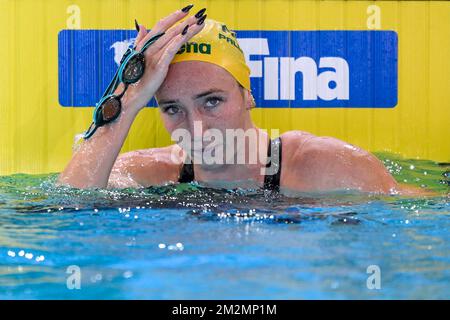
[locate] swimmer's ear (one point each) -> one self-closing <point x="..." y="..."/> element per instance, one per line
<point x="249" y="100"/>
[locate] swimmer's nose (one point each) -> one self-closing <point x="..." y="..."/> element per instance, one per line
<point x="197" y="129"/>
<point x="197" y="126"/>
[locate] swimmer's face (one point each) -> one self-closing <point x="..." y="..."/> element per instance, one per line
<point x="200" y="91"/>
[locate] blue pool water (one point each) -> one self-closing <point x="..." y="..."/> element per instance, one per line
<point x="189" y="242"/>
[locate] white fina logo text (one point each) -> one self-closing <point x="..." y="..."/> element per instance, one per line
<point x="326" y="85"/>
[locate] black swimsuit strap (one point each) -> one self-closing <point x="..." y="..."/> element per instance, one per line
<point x="187" y="173"/>
<point x="271" y="181"/>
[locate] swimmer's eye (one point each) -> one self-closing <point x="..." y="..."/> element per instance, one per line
<point x="212" y="102"/>
<point x="171" y="110"/>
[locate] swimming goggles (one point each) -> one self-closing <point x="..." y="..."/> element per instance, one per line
<point x="131" y="69"/>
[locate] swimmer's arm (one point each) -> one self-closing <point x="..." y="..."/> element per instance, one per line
<point x="121" y="176"/>
<point x="91" y="164"/>
<point x="325" y="164"/>
<point x="145" y="168"/>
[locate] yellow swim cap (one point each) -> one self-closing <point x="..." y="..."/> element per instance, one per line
<point x="218" y="45"/>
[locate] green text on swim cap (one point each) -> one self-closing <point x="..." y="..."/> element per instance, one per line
<point x="230" y="40"/>
<point x="194" y="47"/>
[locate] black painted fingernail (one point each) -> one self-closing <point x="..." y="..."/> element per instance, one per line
<point x="200" y="13"/>
<point x="136" y="25"/>
<point x="185" y="30"/>
<point x="187" y="8"/>
<point x="201" y="20"/>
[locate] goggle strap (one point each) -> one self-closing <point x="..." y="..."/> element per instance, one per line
<point x="113" y="84"/>
<point x="90" y="131"/>
<point x="151" y="41"/>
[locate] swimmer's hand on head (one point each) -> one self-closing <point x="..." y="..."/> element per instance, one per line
<point x="92" y="163"/>
<point x="159" y="55"/>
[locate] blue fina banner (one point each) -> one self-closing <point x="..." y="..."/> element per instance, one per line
<point x="296" y="69"/>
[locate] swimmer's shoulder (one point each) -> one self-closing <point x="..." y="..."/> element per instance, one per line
<point x="293" y="143"/>
<point x="147" y="167"/>
<point x="293" y="140"/>
<point x="305" y="150"/>
<point x="316" y="163"/>
<point x="301" y="144"/>
<point x="293" y="160"/>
